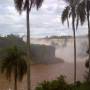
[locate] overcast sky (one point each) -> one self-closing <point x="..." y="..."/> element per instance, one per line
<point x="45" y="22"/>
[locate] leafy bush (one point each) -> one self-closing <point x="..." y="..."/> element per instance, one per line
<point x="86" y="76"/>
<point x="45" y="85"/>
<point x="87" y="64"/>
<point x="58" y="84"/>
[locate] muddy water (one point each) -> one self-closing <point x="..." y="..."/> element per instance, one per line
<point x="42" y="72"/>
<point x="46" y="72"/>
<point x="49" y="72"/>
<point x="64" y="51"/>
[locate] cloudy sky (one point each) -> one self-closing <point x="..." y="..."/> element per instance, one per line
<point x="45" y="22"/>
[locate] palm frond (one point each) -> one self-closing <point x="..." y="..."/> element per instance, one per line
<point x="73" y="2"/>
<point x="14" y="60"/>
<point x="67" y="22"/>
<point x="88" y="5"/>
<point x="65" y="14"/>
<point x="26" y="3"/>
<point x="6" y="68"/>
<point x="38" y="3"/>
<point x="77" y="22"/>
<point x="18" y="5"/>
<point x="81" y="13"/>
<point x="87" y="64"/>
<point x="21" y="69"/>
<point x="23" y="4"/>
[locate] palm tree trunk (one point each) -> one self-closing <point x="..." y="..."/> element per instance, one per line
<point x="88" y="41"/>
<point x="15" y="80"/>
<point x="74" y="55"/>
<point x="28" y="49"/>
<point x="74" y="34"/>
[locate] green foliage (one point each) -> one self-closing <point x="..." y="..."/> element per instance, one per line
<point x="23" y="4"/>
<point x="86" y="76"/>
<point x="83" y="86"/>
<point x="65" y="14"/>
<point x="78" y="13"/>
<point x="87" y="64"/>
<point x="58" y="84"/>
<point x="10" y="41"/>
<point x="45" y="85"/>
<point x="13" y="63"/>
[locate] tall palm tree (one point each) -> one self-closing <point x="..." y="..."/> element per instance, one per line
<point x="83" y="10"/>
<point x="14" y="63"/>
<point x="87" y="7"/>
<point x="27" y="5"/>
<point x="71" y="10"/>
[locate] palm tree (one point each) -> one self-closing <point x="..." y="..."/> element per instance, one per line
<point x="71" y="10"/>
<point x="14" y="63"/>
<point x="88" y="13"/>
<point x="27" y="5"/>
<point x="87" y="8"/>
<point x="84" y="11"/>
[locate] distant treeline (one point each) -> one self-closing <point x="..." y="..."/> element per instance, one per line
<point x="11" y="40"/>
<point x="40" y="53"/>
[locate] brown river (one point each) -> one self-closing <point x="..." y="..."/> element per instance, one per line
<point x="40" y="72"/>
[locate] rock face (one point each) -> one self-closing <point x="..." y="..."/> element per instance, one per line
<point x="42" y="54"/>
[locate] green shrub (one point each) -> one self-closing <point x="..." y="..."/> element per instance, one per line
<point x="45" y="85"/>
<point x="58" y="84"/>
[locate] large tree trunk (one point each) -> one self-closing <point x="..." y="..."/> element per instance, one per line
<point x="74" y="34"/>
<point x="88" y="41"/>
<point x="28" y="49"/>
